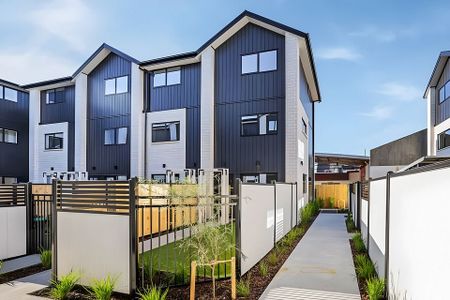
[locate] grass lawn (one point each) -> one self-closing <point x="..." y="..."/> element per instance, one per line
<point x="171" y="258"/>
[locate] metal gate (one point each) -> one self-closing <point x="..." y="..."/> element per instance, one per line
<point x="40" y="217"/>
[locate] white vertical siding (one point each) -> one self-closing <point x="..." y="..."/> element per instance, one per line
<point x="207" y="109"/>
<point x="80" y="122"/>
<point x="35" y="116"/>
<point x="137" y="122"/>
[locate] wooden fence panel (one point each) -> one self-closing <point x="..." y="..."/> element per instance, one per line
<point x="338" y="192"/>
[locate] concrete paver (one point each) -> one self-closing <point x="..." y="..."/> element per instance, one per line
<point x="19" y="263"/>
<point x="20" y="288"/>
<point x="320" y="267"/>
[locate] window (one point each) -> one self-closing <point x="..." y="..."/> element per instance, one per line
<point x="116" y="136"/>
<point x="117" y="85"/>
<point x="54" y="141"/>
<point x="173" y="76"/>
<point x="161" y="178"/>
<point x="167" y="77"/>
<point x="444" y="139"/>
<point x="444" y="92"/>
<point x="8" y="94"/>
<point x="259" y="62"/>
<point x="260" y="124"/>
<point x="260" y="178"/>
<point x="166" y="132"/>
<point x="8" y="136"/>
<point x="249" y="63"/>
<point x="268" y="61"/>
<point x="250" y="179"/>
<point x="55" y="96"/>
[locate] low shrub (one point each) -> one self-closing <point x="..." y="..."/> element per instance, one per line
<point x="358" y="243"/>
<point x="272" y="258"/>
<point x="364" y="268"/>
<point x="331" y="202"/>
<point x="321" y="203"/>
<point x="1" y="265"/>
<point x="263" y="268"/>
<point x="349" y="222"/>
<point x="46" y="258"/>
<point x="243" y="287"/>
<point x="308" y="212"/>
<point x="375" y="288"/>
<point x="60" y="289"/>
<point x="153" y="293"/>
<point x="103" y="289"/>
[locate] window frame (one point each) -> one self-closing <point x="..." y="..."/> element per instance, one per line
<point x="165" y="71"/>
<point x="114" y="79"/>
<point x="446" y="97"/>
<point x="3" y="134"/>
<point x="53" y="134"/>
<point x="439" y="140"/>
<point x="258" y="118"/>
<point x="167" y="123"/>
<point x="258" y="67"/>
<point x="54" y="93"/>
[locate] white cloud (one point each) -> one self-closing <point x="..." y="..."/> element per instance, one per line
<point x="67" y="20"/>
<point x="339" y="53"/>
<point x="399" y="91"/>
<point x="376" y="34"/>
<point x="379" y="112"/>
<point x="32" y="66"/>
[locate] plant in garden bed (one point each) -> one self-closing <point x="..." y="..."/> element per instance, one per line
<point x="331" y="202"/>
<point x="153" y="293"/>
<point x="272" y="258"/>
<point x="358" y="243"/>
<point x="243" y="287"/>
<point x="46" y="258"/>
<point x="103" y="289"/>
<point x="60" y="289"/>
<point x="375" y="288"/>
<point x="349" y="222"/>
<point x="364" y="268"/>
<point x="263" y="268"/>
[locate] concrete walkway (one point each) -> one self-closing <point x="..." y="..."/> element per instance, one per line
<point x="320" y="267"/>
<point x="19" y="289"/>
<point x="20" y="263"/>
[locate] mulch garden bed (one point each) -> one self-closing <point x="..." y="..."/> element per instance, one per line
<point x="258" y="283"/>
<point x="78" y="293"/>
<point x="361" y="284"/>
<point x="10" y="276"/>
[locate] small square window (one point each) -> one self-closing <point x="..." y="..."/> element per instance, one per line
<point x="54" y="141"/>
<point x="122" y="84"/>
<point x="110" y="136"/>
<point x="249" y="63"/>
<point x="10" y="136"/>
<point x="444" y="140"/>
<point x="173" y="76"/>
<point x="272" y="123"/>
<point x="122" y="135"/>
<point x="159" y="78"/>
<point x="10" y="94"/>
<point x="268" y="61"/>
<point x="166" y="132"/>
<point x="441" y="94"/>
<point x="249" y="125"/>
<point x="50" y="97"/>
<point x="110" y="86"/>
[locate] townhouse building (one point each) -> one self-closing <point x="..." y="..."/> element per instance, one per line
<point x="244" y="100"/>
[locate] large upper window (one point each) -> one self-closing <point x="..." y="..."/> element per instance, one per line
<point x="259" y="62"/>
<point x="166" y="132"/>
<point x="444" y="92"/>
<point x="7" y="93"/>
<point x="55" y="96"/>
<point x="259" y="124"/>
<point x="444" y="139"/>
<point x="165" y="77"/>
<point x="54" y="141"/>
<point x="116" y="85"/>
<point x="8" y="136"/>
<point x="116" y="136"/>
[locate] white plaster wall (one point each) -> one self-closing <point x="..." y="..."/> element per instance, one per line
<point x="96" y="245"/>
<point x="378" y="212"/>
<point x="173" y="154"/>
<point x="419" y="240"/>
<point x="47" y="159"/>
<point x="284" y="213"/>
<point x="34" y="120"/>
<point x="137" y="122"/>
<point x="80" y="122"/>
<point x="257" y="223"/>
<point x="207" y="109"/>
<point x="364" y="222"/>
<point x="13" y="234"/>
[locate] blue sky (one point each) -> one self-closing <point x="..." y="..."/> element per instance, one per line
<point x="373" y="58"/>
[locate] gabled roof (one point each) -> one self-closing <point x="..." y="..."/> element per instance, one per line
<point x="243" y="19"/>
<point x="98" y="56"/>
<point x="47" y="82"/>
<point x="437" y="71"/>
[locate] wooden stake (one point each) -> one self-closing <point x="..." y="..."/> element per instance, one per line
<point x="193" y="275"/>
<point x="233" y="278"/>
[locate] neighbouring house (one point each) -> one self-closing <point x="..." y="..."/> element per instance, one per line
<point x="13" y="133"/>
<point x="396" y="155"/>
<point x="243" y="101"/>
<point x="340" y="168"/>
<point x="437" y="94"/>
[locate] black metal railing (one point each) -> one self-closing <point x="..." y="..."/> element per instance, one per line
<point x="41" y="222"/>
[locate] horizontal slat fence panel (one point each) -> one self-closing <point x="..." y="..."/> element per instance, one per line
<point x="13" y="194"/>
